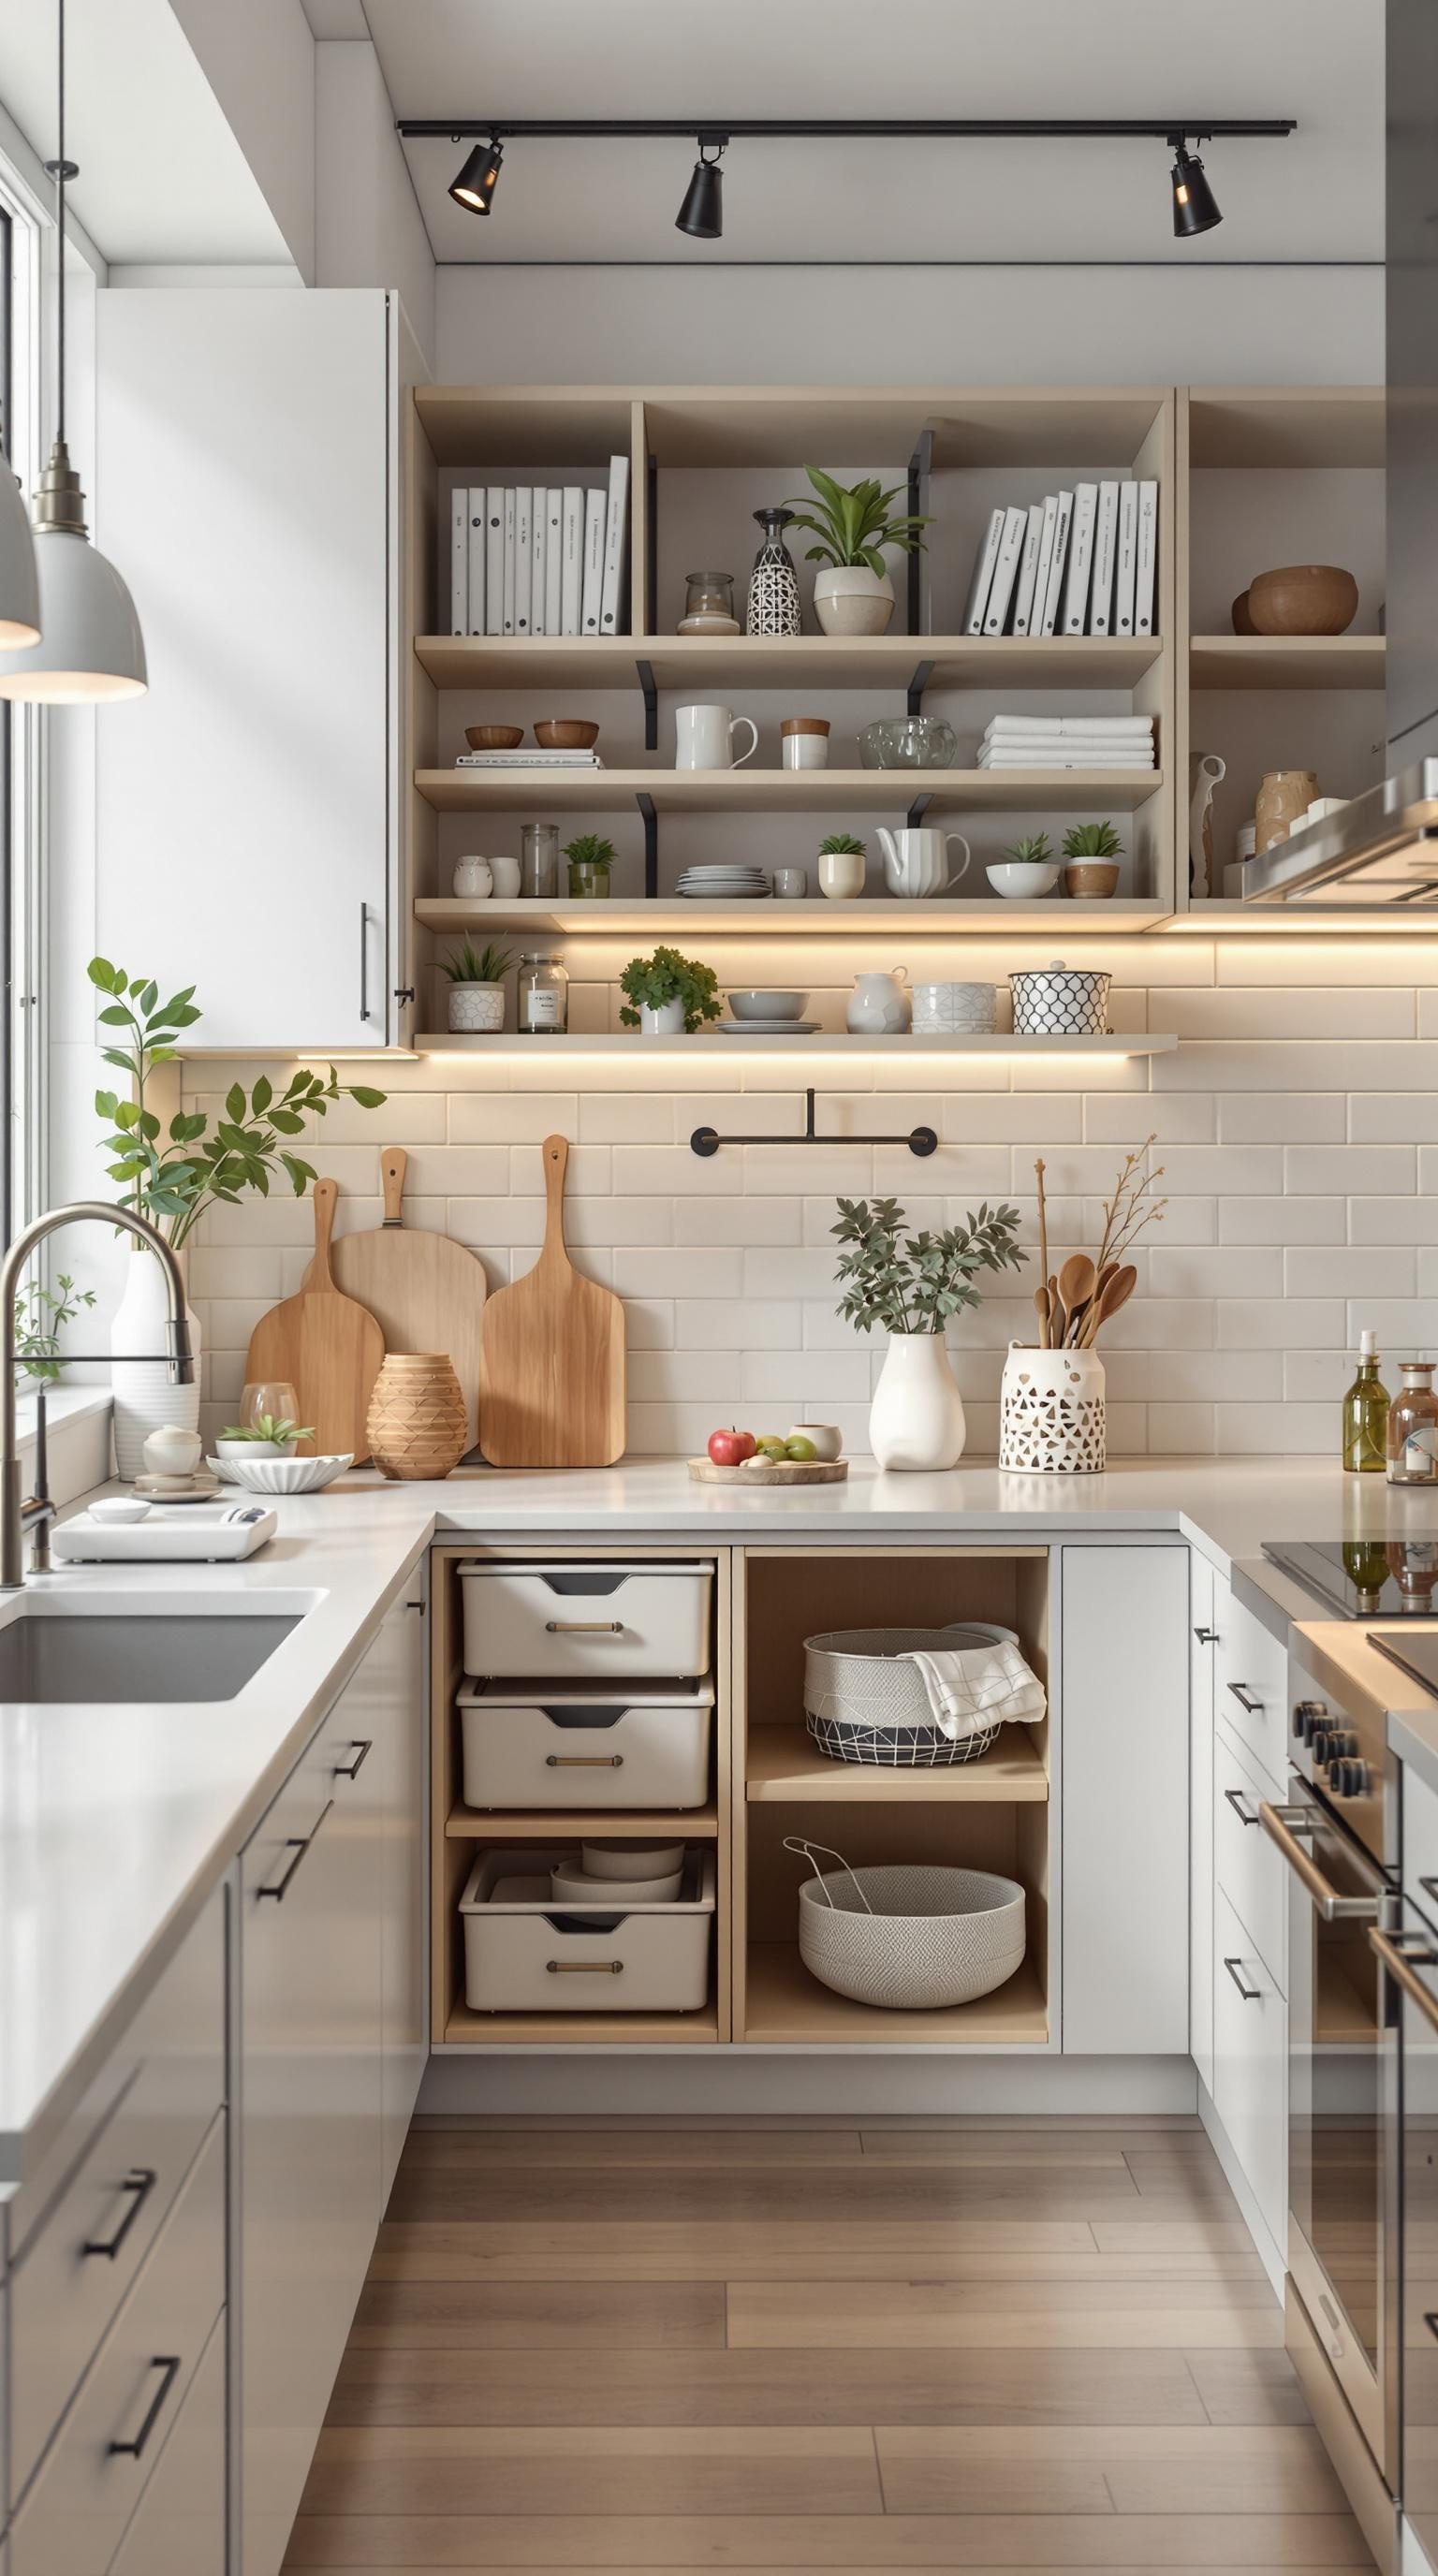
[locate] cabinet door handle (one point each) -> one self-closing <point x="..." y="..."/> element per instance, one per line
<point x="1234" y="1799"/>
<point x="139" y="2184"/>
<point x="169" y="2365"/>
<point x="297" y="1845"/>
<point x="351" y="1770"/>
<point x="1206" y="1636"/>
<point x="584" y="1627"/>
<point x="585" y="1967"/>
<point x="584" y="1761"/>
<point x="1250" y="1706"/>
<point x="364" y="962"/>
<point x="1250" y="1994"/>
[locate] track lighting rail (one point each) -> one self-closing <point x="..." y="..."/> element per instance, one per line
<point x="728" y="129"/>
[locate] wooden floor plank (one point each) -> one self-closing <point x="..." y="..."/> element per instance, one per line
<point x="694" y="2250"/>
<point x="432" y="2191"/>
<point x="1041" y="2315"/>
<point x="600" y="2150"/>
<point x="1248" y="2388"/>
<point x="596" y="2471"/>
<point x="565" y="2316"/>
<point x="1140" y="2469"/>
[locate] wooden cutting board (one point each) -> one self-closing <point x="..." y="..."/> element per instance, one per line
<point x="425" y="1292"/>
<point x="551" y="1374"/>
<point x="328" y="1348"/>
<point x="777" y="1471"/>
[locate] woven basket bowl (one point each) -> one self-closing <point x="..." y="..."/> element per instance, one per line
<point x="935" y="1936"/>
<point x="417" y="1425"/>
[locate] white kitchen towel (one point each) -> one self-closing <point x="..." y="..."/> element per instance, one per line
<point x="1136" y="745"/>
<point x="1076" y="726"/>
<point x="1036" y="757"/>
<point x="973" y="1687"/>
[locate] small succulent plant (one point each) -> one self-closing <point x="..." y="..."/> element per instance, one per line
<point x="275" y="1429"/>
<point x="840" y="843"/>
<point x="1033" y="851"/>
<point x="471" y="965"/>
<point x="1092" y="841"/>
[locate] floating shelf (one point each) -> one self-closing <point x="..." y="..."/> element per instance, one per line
<point x="779" y="791"/>
<point x="673" y="917"/>
<point x="515" y="1047"/>
<point x="579" y="1824"/>
<point x="784" y="1764"/>
<point x="798" y="661"/>
<point x="1287" y="661"/>
<point x="785" y="2004"/>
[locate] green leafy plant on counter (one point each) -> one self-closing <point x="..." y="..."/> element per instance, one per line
<point x="173" y="1174"/>
<point x="842" y="844"/>
<point x="276" y="1428"/>
<point x="852" y="522"/>
<point x="471" y="965"/>
<point x="913" y="1283"/>
<point x="668" y="977"/>
<point x="1032" y="851"/>
<point x="1092" y="841"/>
<point x="41" y="1315"/>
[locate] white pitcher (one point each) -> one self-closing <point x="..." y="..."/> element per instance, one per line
<point x="916" y="860"/>
<point x="878" y="1006"/>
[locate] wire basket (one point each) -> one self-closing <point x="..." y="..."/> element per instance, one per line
<point x="909" y="1937"/>
<point x="862" y="1703"/>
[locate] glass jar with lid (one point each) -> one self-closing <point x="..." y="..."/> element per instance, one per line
<point x="709" y="604"/>
<point x="542" y="994"/>
<point x="1413" y="1427"/>
<point x="539" y="861"/>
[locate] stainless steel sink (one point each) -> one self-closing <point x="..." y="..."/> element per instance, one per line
<point x="106" y="1651"/>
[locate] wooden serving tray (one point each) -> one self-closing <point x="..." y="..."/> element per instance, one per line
<point x="794" y="1471"/>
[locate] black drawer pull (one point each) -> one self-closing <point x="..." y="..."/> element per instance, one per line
<point x="1234" y="1799"/>
<point x="1250" y="1706"/>
<point x="351" y="1770"/>
<point x="584" y="1761"/>
<point x="298" y="1845"/>
<point x="169" y="2365"/>
<point x="584" y="1627"/>
<point x="1250" y="1994"/>
<point x="585" y="1967"/>
<point x="1206" y="1636"/>
<point x="139" y="2184"/>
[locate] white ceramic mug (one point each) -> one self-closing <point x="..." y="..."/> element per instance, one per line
<point x="704" y="738"/>
<point x="790" y="884"/>
<point x="916" y="861"/>
<point x="505" y="873"/>
<point x="473" y="879"/>
<point x="804" y="742"/>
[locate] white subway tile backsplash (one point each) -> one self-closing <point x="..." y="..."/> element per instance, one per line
<point x="738" y="1220"/>
<point x="1279" y="1323"/>
<point x="1226" y="1271"/>
<point x="1312" y="1271"/>
<point x="1262" y="1012"/>
<point x="510" y="1117"/>
<point x="740" y="1323"/>
<point x="1350" y="1168"/>
<point x="1280" y="1220"/>
<point x="1381" y="1118"/>
<point x="1406" y="1220"/>
<point x="1282" y="1118"/>
<point x="1127" y="1120"/>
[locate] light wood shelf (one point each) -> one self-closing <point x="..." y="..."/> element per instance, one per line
<point x="785" y="2005"/>
<point x="785" y="1765"/>
<point x="787" y="661"/>
<point x="466" y="2029"/>
<point x="676" y="917"/>
<point x="514" y="1047"/>
<point x="580" y="1824"/>
<point x="1287" y="661"/>
<point x="1296" y="426"/>
<point x="787" y="791"/>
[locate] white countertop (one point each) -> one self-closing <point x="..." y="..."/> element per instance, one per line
<point x="116" y="1822"/>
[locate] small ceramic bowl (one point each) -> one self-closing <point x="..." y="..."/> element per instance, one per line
<point x="826" y="1438"/>
<point x="767" y="1006"/>
<point x="1022" y="878"/>
<point x="565" y="733"/>
<point x="1089" y="880"/>
<point x="494" y="737"/>
<point x="1239" y="613"/>
<point x="630" y="1860"/>
<point x="232" y="1450"/>
<point x="277" y="1475"/>
<point x="570" y="1885"/>
<point x="1303" y="599"/>
<point x="120" y="1508"/>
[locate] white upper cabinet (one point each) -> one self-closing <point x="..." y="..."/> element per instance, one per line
<point x="246" y="809"/>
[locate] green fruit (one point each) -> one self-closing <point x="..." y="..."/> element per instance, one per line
<point x="773" y="1448"/>
<point x="799" y="1449"/>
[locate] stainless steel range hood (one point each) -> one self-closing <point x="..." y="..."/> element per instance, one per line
<point x="1382" y="848"/>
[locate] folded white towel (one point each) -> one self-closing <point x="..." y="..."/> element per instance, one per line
<point x="974" y="1687"/>
<point x="1075" y="726"/>
<point x="1037" y="759"/>
<point x="1014" y="743"/>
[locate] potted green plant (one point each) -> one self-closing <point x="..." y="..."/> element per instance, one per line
<point x="590" y="859"/>
<point x="40" y="1317"/>
<point x="1027" y="869"/>
<point x="668" y="994"/>
<point x="268" y="1436"/>
<point x="911" y="1284"/>
<point x="1093" y="851"/>
<point x="476" y="987"/>
<point x="841" y="866"/>
<point x="853" y="594"/>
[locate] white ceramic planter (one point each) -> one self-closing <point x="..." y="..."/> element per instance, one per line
<point x="476" y="1009"/>
<point x="1053" y="1412"/>
<point x="916" y="1420"/>
<point x="851" y="600"/>
<point x="146" y="1399"/>
<point x="661" y="1019"/>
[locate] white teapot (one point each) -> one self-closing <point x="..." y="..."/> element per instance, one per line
<point x="878" y="1006"/>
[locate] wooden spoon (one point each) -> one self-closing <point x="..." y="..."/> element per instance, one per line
<point x="1058" y="1317"/>
<point x="1041" y="1309"/>
<point x="1116" y="1294"/>
<point x="1076" y="1283"/>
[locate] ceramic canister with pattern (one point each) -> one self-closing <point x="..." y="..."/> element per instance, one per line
<point x="1052" y="1414"/>
<point x="1060" y="1001"/>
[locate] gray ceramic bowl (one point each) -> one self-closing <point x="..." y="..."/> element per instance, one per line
<point x="768" y="1006"/>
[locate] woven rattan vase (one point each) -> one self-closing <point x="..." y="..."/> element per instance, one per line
<point x="416" y="1424"/>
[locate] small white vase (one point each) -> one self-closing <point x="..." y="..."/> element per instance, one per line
<point x="878" y="1006"/>
<point x="661" y="1019"/>
<point x="1052" y="1418"/>
<point x="476" y="1009"/>
<point x="146" y="1399"/>
<point x="851" y="600"/>
<point x="473" y="879"/>
<point x="916" y="1419"/>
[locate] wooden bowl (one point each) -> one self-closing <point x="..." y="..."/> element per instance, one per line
<point x="565" y="733"/>
<point x="494" y="737"/>
<point x="1303" y="599"/>
<point x="1242" y="619"/>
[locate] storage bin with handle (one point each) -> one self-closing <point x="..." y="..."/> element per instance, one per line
<point x="523" y="1953"/>
<point x="864" y="1703"/>
<point x="647" y="1745"/>
<point x="575" y="1618"/>
<point x="908" y="1936"/>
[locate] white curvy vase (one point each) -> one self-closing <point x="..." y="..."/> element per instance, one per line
<point x="917" y="1417"/>
<point x="1052" y="1415"/>
<point x="146" y="1399"/>
<point x="851" y="600"/>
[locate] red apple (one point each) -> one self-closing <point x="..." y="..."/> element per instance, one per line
<point x="731" y="1448"/>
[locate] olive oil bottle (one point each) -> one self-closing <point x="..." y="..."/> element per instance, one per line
<point x="1365" y="1414"/>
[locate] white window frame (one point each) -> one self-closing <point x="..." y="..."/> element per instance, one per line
<point x="30" y="239"/>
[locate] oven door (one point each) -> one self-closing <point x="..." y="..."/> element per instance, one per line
<point x="1342" y="2107"/>
<point x="1412" y="1963"/>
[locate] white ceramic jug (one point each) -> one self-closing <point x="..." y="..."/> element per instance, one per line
<point x="878" y="1006"/>
<point x="916" y="860"/>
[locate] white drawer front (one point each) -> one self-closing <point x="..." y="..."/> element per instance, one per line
<point x="1246" y="1865"/>
<point x="574" y="1620"/>
<point x="179" y="2529"/>
<point x="523" y="1954"/>
<point x="585" y="1753"/>
<point x="1250" y="2065"/>
<point x="87" y="2489"/>
<point x="1251" y="1676"/>
<point x="81" y="2257"/>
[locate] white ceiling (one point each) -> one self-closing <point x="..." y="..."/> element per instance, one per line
<point x="1317" y="195"/>
<point x="162" y="178"/>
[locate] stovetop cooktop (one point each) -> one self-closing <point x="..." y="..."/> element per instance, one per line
<point x="1417" y="1654"/>
<point x="1364" y="1578"/>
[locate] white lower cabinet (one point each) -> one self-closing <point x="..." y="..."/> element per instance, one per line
<point x="393" y="1677"/>
<point x="1201" y="1639"/>
<point x="1250" y="2063"/>
<point x="179" y="2525"/>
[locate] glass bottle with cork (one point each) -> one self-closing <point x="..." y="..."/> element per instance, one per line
<point x="1365" y="1414"/>
<point x="1413" y="1427"/>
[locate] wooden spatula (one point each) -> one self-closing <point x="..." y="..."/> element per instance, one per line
<point x="327" y="1346"/>
<point x="1116" y="1294"/>
<point x="551" y="1378"/>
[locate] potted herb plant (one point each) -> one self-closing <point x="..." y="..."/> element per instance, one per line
<point x="476" y="987"/>
<point x="1093" y="851"/>
<point x="590" y="859"/>
<point x="911" y="1284"/>
<point x="853" y="594"/>
<point x="40" y="1316"/>
<point x="841" y="866"/>
<point x="668" y="994"/>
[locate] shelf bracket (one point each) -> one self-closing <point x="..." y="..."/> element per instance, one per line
<point x="645" y="804"/>
<point x="920" y="1140"/>
<point x="922" y="674"/>
<point x="651" y="705"/>
<point x="918" y="810"/>
<point x="920" y="466"/>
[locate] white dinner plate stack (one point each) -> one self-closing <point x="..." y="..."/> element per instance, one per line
<point x="730" y="883"/>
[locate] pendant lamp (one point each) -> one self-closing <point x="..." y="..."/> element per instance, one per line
<point x="19" y="580"/>
<point x="91" y="649"/>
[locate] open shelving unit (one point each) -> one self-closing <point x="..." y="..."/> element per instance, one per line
<point x="515" y="1047"/>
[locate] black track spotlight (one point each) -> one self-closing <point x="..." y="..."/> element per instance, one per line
<point x="702" y="213"/>
<point x="474" y="188"/>
<point x="1195" y="207"/>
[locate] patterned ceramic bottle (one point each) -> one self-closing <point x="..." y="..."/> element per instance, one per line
<point x="773" y="605"/>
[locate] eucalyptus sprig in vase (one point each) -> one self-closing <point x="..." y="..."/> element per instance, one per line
<point x="911" y="1284"/>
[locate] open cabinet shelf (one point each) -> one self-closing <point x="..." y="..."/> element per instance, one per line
<point x="786" y="2006"/>
<point x="793" y="791"/>
<point x="580" y="1824"/>
<point x="489" y="662"/>
<point x="466" y="2029"/>
<point x="784" y="1766"/>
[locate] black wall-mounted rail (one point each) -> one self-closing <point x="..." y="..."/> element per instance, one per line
<point x="707" y="1140"/>
<point x="1198" y="129"/>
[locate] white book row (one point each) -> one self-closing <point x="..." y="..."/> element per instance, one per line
<point x="537" y="559"/>
<point x="1083" y="562"/>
